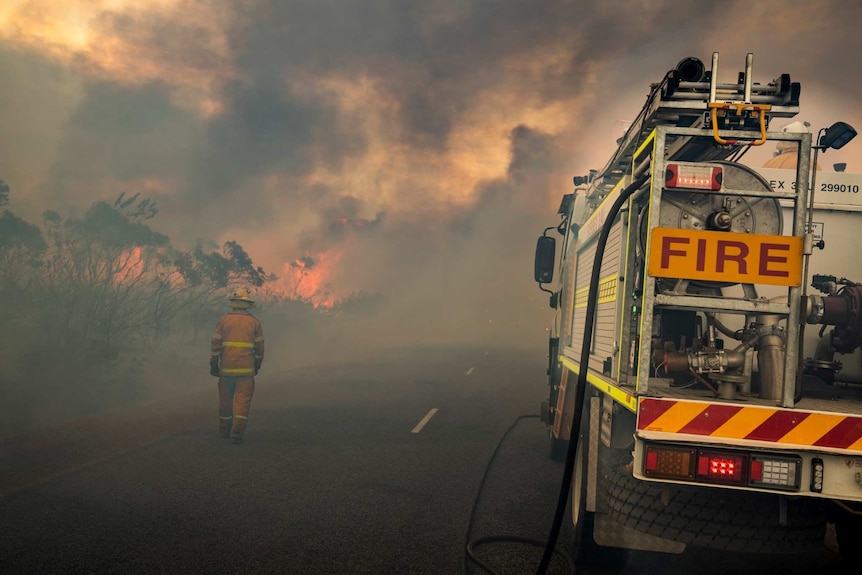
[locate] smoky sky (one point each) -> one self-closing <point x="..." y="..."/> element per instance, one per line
<point x="429" y="141"/>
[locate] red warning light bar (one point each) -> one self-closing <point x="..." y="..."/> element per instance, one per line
<point x="693" y="176"/>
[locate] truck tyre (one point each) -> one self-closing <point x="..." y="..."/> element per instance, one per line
<point x="716" y="518"/>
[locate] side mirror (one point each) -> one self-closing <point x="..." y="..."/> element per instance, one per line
<point x="543" y="268"/>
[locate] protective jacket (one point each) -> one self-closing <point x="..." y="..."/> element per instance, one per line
<point x="237" y="343"/>
<point x="786" y="158"/>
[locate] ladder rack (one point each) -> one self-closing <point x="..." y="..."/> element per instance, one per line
<point x="687" y="96"/>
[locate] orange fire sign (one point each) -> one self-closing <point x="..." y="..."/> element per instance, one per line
<point x="726" y="257"/>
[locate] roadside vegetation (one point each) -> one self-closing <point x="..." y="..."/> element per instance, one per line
<point x="100" y="311"/>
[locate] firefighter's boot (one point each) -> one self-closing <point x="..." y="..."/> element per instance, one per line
<point x="236" y="438"/>
<point x="224" y="426"/>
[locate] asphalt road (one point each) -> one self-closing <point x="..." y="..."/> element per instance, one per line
<point x="371" y="467"/>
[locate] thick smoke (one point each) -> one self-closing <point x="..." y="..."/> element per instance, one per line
<point x="427" y="143"/>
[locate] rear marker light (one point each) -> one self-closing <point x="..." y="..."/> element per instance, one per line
<point x="817" y="475"/>
<point x="693" y="177"/>
<point x="670" y="463"/>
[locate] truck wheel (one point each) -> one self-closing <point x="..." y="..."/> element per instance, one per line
<point x="716" y="518"/>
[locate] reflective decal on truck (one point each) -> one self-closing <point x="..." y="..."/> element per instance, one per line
<point x="751" y="423"/>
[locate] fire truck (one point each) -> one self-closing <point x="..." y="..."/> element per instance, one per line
<point x="705" y="381"/>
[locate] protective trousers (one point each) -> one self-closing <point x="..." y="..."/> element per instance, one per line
<point x="234" y="395"/>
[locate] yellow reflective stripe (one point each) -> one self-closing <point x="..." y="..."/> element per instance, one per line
<point x="258" y="339"/>
<point x="228" y="417"/>
<point x="216" y="336"/>
<point x="215" y="353"/>
<point x="241" y="417"/>
<point x="607" y="292"/>
<point x="239" y="371"/>
<point x="237" y="344"/>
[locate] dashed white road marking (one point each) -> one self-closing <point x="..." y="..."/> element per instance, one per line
<point x="469" y="371"/>
<point x="424" y="420"/>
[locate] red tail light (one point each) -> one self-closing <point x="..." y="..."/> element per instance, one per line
<point x="726" y="467"/>
<point x="722" y="468"/>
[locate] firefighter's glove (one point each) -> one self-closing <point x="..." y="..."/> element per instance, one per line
<point x="214" y="369"/>
<point x="258" y="361"/>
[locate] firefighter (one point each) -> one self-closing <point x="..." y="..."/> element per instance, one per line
<point x="786" y="152"/>
<point x="237" y="354"/>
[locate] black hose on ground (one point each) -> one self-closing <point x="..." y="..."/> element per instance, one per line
<point x="470" y="546"/>
<point x="583" y="368"/>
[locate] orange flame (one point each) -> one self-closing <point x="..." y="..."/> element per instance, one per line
<point x="309" y="279"/>
<point x="130" y="265"/>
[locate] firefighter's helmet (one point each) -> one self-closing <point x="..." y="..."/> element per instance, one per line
<point x="241" y="298"/>
<point x="797" y="128"/>
<point x="792" y="128"/>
